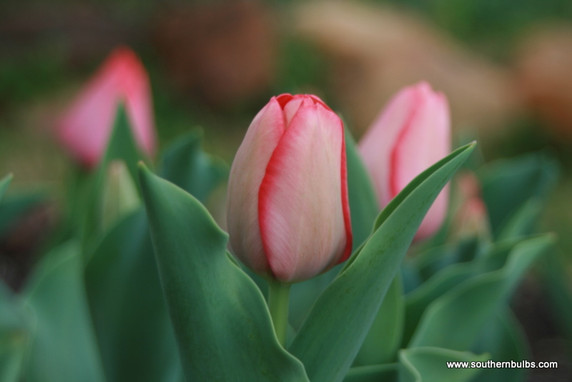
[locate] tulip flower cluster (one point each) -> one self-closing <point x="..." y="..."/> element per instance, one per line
<point x="301" y="195"/>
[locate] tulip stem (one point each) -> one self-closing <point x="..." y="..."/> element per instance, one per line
<point x="278" y="300"/>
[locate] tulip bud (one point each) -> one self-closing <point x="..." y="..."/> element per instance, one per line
<point x="120" y="196"/>
<point x="411" y="133"/>
<point x="288" y="210"/>
<point x="86" y="126"/>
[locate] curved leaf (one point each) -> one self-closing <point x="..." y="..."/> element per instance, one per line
<point x="221" y="321"/>
<point x="186" y="165"/>
<point x="63" y="346"/>
<point x="429" y="364"/>
<point x="454" y="320"/>
<point x="135" y="334"/>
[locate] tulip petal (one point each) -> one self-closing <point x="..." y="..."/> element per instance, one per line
<point x="424" y="140"/>
<point x="246" y="174"/>
<point x="377" y="144"/>
<point x="302" y="219"/>
<point x="86" y="127"/>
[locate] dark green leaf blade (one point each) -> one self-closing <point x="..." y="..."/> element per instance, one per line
<point x="186" y="165"/>
<point x="354" y="297"/>
<point x="63" y="345"/>
<point x="508" y="184"/>
<point x="135" y="334"/>
<point x="221" y="321"/>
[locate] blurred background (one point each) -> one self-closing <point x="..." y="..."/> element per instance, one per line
<point x="504" y="65"/>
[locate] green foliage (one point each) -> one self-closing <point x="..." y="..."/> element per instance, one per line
<point x="132" y="326"/>
<point x="63" y="345"/>
<point x="221" y="322"/>
<point x="187" y="166"/>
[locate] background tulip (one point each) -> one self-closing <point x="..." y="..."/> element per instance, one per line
<point x="85" y="128"/>
<point x="288" y="211"/>
<point x="411" y="133"/>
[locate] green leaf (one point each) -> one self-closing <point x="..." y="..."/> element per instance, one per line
<point x="186" y="165"/>
<point x="373" y="373"/>
<point x="504" y="340"/>
<point x="362" y="199"/>
<point x="63" y="344"/>
<point x="14" y="336"/>
<point x="455" y="320"/>
<point x="418" y="300"/>
<point x="523" y="221"/>
<point x="135" y="334"/>
<point x="508" y="184"/>
<point x="87" y="209"/>
<point x="354" y="297"/>
<point x="4" y="183"/>
<point x="121" y="145"/>
<point x="384" y="337"/>
<point x="429" y="364"/>
<point x="221" y="321"/>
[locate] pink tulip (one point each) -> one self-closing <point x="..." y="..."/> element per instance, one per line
<point x="85" y="128"/>
<point x="411" y="133"/>
<point x="288" y="212"/>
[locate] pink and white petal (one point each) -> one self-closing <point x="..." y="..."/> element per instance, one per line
<point x="300" y="206"/>
<point x="246" y="174"/>
<point x="85" y="128"/>
<point x="378" y="142"/>
<point x="137" y="93"/>
<point x="424" y="141"/>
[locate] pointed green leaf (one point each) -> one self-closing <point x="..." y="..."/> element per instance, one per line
<point x="508" y="184"/>
<point x="14" y="336"/>
<point x="87" y="197"/>
<point x="354" y="297"/>
<point x="363" y="202"/>
<point x="429" y="364"/>
<point x="121" y="145"/>
<point x="186" y="165"/>
<point x="134" y="334"/>
<point x="384" y="337"/>
<point x="455" y="320"/>
<point x="221" y="321"/>
<point x="63" y="344"/>
<point x="522" y="221"/>
<point x="373" y="373"/>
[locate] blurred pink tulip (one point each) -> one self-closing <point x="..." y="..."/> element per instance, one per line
<point x="288" y="210"/>
<point x="411" y="133"/>
<point x="86" y="126"/>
